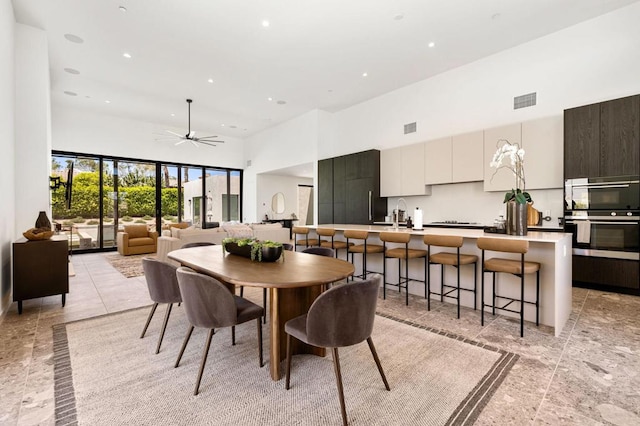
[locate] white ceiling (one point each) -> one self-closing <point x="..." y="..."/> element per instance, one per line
<point x="312" y="55"/>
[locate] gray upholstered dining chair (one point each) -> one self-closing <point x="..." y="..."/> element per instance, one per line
<point x="320" y="251"/>
<point x="209" y="304"/>
<point x="163" y="288"/>
<point x="341" y="316"/>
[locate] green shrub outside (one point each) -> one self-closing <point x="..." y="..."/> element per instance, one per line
<point x="139" y="221"/>
<point x="126" y="218"/>
<point x="137" y="200"/>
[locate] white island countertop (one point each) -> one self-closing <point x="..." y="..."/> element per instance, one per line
<point x="551" y="249"/>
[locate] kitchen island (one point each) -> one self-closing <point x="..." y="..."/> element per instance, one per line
<point x="551" y="249"/>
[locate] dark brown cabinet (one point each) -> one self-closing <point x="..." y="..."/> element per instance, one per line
<point x="349" y="189"/>
<point x="620" y="137"/>
<point x="602" y="139"/>
<point x="606" y="272"/>
<point x="40" y="268"/>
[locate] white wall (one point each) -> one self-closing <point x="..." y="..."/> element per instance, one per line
<point x="7" y="143"/>
<point x="289" y="144"/>
<point x="32" y="126"/>
<point x="590" y="62"/>
<point x="268" y="185"/>
<point x="79" y="130"/>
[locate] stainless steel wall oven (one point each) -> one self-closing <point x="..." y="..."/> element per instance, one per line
<point x="604" y="216"/>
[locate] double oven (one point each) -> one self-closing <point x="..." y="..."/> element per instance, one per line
<point x="603" y="214"/>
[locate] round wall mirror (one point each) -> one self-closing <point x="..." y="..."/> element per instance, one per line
<point x="277" y="203"/>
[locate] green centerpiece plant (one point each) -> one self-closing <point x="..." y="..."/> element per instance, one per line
<point x="257" y="250"/>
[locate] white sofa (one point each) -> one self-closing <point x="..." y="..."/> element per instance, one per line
<point x="175" y="238"/>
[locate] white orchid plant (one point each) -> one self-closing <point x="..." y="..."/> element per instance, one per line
<point x="516" y="156"/>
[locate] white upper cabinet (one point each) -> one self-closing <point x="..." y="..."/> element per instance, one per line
<point x="390" y="183"/>
<point x="402" y="171"/>
<point x="437" y="161"/>
<point x="543" y="142"/>
<point x="502" y="179"/>
<point x="467" y="157"/>
<point x="412" y="169"/>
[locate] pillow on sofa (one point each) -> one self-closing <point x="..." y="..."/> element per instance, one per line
<point x="238" y="231"/>
<point x="258" y="226"/>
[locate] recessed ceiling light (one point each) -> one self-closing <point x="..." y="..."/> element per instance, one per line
<point x="233" y="126"/>
<point x="72" y="71"/>
<point x="127" y="55"/>
<point x="173" y="115"/>
<point x="222" y="125"/>
<point x="269" y="98"/>
<point x="431" y="44"/>
<point x="122" y="9"/>
<point x="73" y="38"/>
<point x="87" y="96"/>
<point x="495" y="16"/>
<point x="210" y="80"/>
<point x="265" y="23"/>
<point x="398" y="17"/>
<point x="364" y="74"/>
<point x="330" y="90"/>
<point x="67" y="92"/>
<point x="281" y="102"/>
<point x="107" y="102"/>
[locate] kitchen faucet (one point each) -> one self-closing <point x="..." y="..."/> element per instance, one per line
<point x="396" y="216"/>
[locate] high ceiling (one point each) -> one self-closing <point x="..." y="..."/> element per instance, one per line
<point x="312" y="54"/>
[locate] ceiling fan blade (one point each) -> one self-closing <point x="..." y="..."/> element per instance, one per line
<point x="193" y="141"/>
<point x="209" y="143"/>
<point x="175" y="134"/>
<point x="181" y="141"/>
<point x="208" y="137"/>
<point x="209" y="140"/>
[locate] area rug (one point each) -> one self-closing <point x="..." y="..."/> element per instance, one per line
<point x="129" y="266"/>
<point x="106" y="374"/>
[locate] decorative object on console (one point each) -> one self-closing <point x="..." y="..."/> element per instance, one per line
<point x="42" y="230"/>
<point x="261" y="251"/>
<point x="517" y="198"/>
<point x="191" y="135"/>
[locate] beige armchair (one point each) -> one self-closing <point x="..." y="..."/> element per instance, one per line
<point x="137" y="239"/>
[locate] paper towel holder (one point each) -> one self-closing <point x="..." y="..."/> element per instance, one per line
<point x="417" y="219"/>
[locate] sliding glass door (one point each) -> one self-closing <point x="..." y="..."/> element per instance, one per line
<point x="94" y="197"/>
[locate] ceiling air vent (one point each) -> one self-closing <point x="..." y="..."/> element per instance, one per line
<point x="410" y="128"/>
<point x="524" y="101"/>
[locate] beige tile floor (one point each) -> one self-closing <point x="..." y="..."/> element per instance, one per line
<point x="588" y="375"/>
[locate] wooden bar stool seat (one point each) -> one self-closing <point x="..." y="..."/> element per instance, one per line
<point x="364" y="249"/>
<point x="332" y="244"/>
<point x="401" y="253"/>
<point x="519" y="268"/>
<point x="305" y="240"/>
<point x="456" y="260"/>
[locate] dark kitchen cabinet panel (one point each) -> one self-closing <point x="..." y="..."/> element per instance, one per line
<point x="582" y="142"/>
<point x="620" y="137"/>
<point x="354" y="193"/>
<point x="325" y="181"/>
<point x="603" y="139"/>
<point x="606" y="272"/>
<point x="339" y="182"/>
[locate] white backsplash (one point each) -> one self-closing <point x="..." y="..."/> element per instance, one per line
<point x="468" y="202"/>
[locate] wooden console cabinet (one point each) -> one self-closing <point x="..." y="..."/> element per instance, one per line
<point x="40" y="268"/>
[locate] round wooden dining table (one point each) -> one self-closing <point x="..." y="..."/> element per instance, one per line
<point x="294" y="282"/>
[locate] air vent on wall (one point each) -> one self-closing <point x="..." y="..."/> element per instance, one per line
<point x="524" y="101"/>
<point x="410" y="128"/>
<point x="248" y="163"/>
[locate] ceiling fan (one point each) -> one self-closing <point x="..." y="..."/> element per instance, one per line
<point x="191" y="135"/>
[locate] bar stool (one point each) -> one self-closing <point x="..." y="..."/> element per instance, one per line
<point x="452" y="259"/>
<point x="401" y="253"/>
<point x="333" y="244"/>
<point x="362" y="249"/>
<point x="306" y="241"/>
<point x="510" y="266"/>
